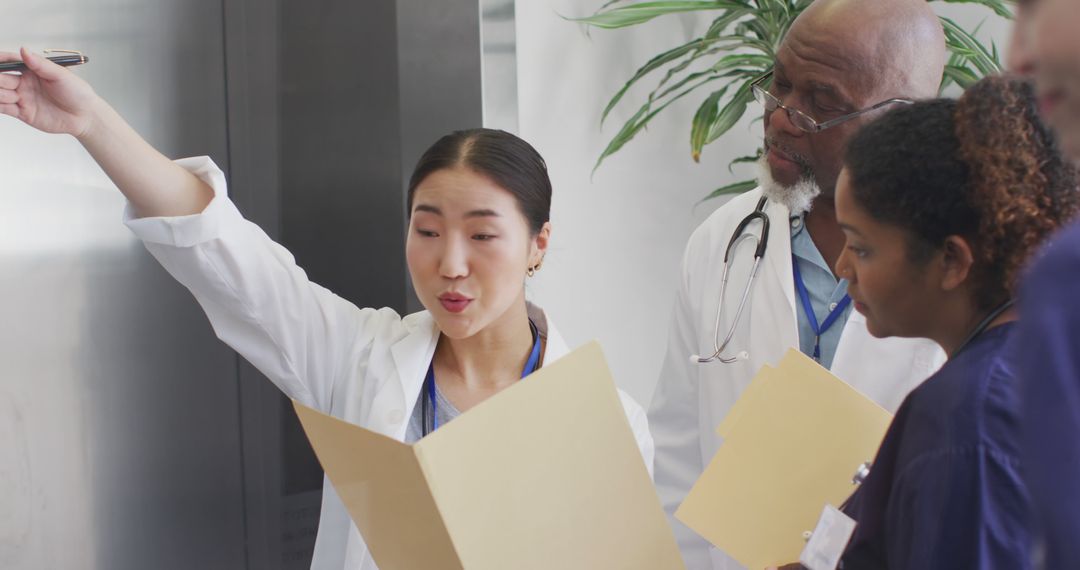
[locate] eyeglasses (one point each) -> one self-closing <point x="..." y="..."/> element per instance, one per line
<point x="801" y="120"/>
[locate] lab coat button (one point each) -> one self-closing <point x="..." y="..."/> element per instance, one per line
<point x="394" y="417"/>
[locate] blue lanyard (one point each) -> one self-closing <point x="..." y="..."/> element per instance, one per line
<point x="530" y="366"/>
<point x="804" y="295"/>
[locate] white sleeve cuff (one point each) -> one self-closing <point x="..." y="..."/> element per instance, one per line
<point x="187" y="231"/>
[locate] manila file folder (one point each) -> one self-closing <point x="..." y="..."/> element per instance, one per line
<point x="792" y="442"/>
<point x="545" y="474"/>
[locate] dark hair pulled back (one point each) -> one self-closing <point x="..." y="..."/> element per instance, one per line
<point x="507" y="160"/>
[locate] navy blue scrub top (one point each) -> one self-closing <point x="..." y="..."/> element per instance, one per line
<point x="945" y="490"/>
<point x="1048" y="360"/>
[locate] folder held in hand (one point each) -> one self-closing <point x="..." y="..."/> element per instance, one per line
<point x="545" y="474"/>
<point x="792" y="442"/>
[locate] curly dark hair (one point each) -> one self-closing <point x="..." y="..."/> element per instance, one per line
<point x="983" y="167"/>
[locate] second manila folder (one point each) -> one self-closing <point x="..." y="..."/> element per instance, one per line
<point x="792" y="443"/>
<point x="545" y="474"/>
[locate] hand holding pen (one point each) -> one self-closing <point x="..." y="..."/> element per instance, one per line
<point x="45" y="95"/>
<point x="53" y="99"/>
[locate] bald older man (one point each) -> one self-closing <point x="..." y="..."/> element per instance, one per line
<point x="842" y="63"/>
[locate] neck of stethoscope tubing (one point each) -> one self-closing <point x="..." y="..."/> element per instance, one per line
<point x="720" y="347"/>
<point x="735" y="244"/>
<point x="719" y="312"/>
<point x="742" y="302"/>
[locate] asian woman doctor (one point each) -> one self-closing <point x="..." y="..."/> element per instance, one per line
<point x="478" y="203"/>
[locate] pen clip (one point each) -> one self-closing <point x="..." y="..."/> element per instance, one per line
<point x="74" y="52"/>
<point x="70" y="51"/>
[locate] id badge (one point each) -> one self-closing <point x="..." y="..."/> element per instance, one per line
<point x="828" y="541"/>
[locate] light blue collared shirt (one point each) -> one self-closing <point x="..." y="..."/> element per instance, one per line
<point x="825" y="293"/>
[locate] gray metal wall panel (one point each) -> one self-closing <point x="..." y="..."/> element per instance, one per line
<point x="341" y="200"/>
<point x="119" y="445"/>
<point x="439" y="74"/>
<point x="252" y="36"/>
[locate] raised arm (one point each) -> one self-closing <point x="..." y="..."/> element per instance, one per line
<point x="52" y="99"/>
<point x="304" y="338"/>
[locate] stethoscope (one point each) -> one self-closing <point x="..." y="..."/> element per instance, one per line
<point x="429" y="383"/>
<point x="762" y="242"/>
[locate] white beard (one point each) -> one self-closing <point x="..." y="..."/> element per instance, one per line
<point x="799" y="197"/>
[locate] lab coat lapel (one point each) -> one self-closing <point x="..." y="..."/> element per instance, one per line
<point x="411" y="355"/>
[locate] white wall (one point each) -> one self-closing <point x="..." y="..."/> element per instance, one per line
<point x="618" y="238"/>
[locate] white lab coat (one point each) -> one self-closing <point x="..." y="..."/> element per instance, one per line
<point x="691" y="399"/>
<point x="365" y="366"/>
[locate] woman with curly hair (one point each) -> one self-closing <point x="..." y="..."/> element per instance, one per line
<point x="942" y="203"/>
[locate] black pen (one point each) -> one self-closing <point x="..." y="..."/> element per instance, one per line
<point x="68" y="59"/>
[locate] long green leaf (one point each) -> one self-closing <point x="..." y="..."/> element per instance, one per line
<point x="746" y="159"/>
<point x="729" y="66"/>
<point x="748" y="59"/>
<point x="638" y="122"/>
<point x="955" y="60"/>
<point x="721" y="23"/>
<point x="997" y="6"/>
<point x="708" y="123"/>
<point x="960" y="41"/>
<point x="963" y="76"/>
<point x="703" y="120"/>
<point x="731" y="113"/>
<point x="763" y="46"/>
<point x="768" y="27"/>
<point x="642" y="12"/>
<point x="736" y="188"/>
<point x="684" y="64"/>
<point x="656" y="63"/>
<point x="682" y="83"/>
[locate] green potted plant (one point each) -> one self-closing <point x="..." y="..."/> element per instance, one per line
<point x="738" y="47"/>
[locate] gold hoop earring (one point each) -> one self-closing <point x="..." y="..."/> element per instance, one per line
<point x="530" y="271"/>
